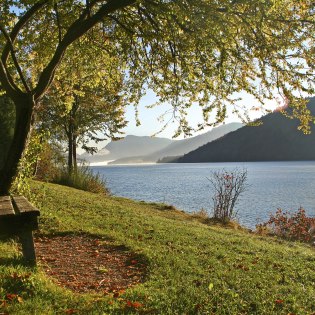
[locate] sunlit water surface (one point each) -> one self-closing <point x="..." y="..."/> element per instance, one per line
<point x="271" y="185"/>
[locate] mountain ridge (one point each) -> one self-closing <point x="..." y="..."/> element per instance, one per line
<point x="277" y="139"/>
<point x="129" y="145"/>
<point x="145" y="149"/>
<point x="179" y="147"/>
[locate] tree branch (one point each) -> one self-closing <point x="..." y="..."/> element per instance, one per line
<point x="19" y="25"/>
<point x="6" y="83"/>
<point x="8" y="77"/>
<point x="130" y="31"/>
<point x="15" y="61"/>
<point x="58" y="22"/>
<point x="76" y="30"/>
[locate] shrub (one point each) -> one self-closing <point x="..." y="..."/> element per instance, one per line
<point x="296" y="226"/>
<point x="52" y="167"/>
<point x="50" y="162"/>
<point x="228" y="186"/>
<point x="201" y="214"/>
<point x="83" y="178"/>
<point x="28" y="164"/>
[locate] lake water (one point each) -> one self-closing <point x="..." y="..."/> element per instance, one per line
<point x="272" y="185"/>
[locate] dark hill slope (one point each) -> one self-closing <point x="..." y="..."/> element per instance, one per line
<point x="277" y="139"/>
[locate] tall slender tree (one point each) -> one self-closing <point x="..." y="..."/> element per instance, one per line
<point x="186" y="51"/>
<point x="86" y="101"/>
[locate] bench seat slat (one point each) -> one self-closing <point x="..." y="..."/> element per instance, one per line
<point x="23" y="206"/>
<point x="6" y="207"/>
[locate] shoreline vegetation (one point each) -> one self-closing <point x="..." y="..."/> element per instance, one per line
<point x="191" y="267"/>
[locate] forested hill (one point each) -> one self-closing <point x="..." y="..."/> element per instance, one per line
<point x="277" y="139"/>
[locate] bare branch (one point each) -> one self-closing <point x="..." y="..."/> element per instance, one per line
<point x="228" y="186"/>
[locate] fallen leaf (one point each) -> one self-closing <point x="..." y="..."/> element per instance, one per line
<point x="137" y="304"/>
<point x="134" y="304"/>
<point x="71" y="311"/>
<point x="10" y="296"/>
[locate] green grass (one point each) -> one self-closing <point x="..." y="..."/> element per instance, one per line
<point x="83" y="178"/>
<point x="193" y="268"/>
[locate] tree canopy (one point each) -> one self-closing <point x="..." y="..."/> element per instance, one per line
<point x="86" y="100"/>
<point x="200" y="51"/>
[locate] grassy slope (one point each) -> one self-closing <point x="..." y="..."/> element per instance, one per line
<point x="193" y="268"/>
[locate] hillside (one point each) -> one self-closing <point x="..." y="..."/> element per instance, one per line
<point x="277" y="139"/>
<point x="180" y="147"/>
<point x="190" y="267"/>
<point x="128" y="146"/>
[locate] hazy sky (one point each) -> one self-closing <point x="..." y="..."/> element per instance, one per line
<point x="150" y="124"/>
<point x="149" y="117"/>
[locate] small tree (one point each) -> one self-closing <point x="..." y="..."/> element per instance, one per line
<point x="86" y="101"/>
<point x="228" y="185"/>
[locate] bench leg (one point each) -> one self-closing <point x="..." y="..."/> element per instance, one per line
<point x="28" y="249"/>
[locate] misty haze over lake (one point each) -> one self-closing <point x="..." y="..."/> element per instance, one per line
<point x="272" y="185"/>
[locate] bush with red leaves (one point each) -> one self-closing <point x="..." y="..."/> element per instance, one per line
<point x="296" y="226"/>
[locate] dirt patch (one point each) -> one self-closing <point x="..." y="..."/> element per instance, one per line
<point x="83" y="263"/>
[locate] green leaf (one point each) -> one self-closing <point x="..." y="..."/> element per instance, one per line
<point x="210" y="287"/>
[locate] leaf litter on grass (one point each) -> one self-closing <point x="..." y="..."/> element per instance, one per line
<point x="77" y="262"/>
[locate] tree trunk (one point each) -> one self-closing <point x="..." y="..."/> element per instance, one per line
<point x="23" y="122"/>
<point x="70" y="143"/>
<point x="70" y="152"/>
<point x="74" y="152"/>
<point x="72" y="138"/>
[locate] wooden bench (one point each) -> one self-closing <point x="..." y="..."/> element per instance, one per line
<point x="19" y="218"/>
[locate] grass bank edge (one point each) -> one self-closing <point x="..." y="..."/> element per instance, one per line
<point x="193" y="267"/>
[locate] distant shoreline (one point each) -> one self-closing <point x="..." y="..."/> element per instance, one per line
<point x="106" y="163"/>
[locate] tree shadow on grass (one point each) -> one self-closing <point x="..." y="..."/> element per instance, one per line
<point x="13" y="262"/>
<point x="84" y="262"/>
<point x="14" y="256"/>
<point x="10" y="257"/>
